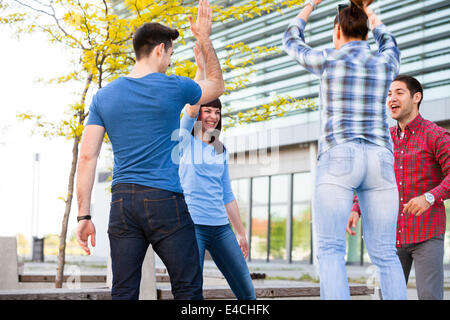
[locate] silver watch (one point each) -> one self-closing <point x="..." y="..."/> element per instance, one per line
<point x="429" y="197"/>
<point x="312" y="3"/>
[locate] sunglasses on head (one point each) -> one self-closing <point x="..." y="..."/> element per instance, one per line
<point x="341" y="7"/>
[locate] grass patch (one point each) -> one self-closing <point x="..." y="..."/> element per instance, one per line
<point x="304" y="277"/>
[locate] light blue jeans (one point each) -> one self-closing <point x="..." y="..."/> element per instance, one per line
<point x="224" y="249"/>
<point x="369" y="170"/>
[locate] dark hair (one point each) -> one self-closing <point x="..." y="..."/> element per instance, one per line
<point x="149" y="35"/>
<point x="220" y="148"/>
<point x="353" y="22"/>
<point x="412" y="84"/>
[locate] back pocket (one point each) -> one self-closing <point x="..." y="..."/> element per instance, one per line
<point x="387" y="166"/>
<point x="162" y="214"/>
<point x="117" y="224"/>
<point x="340" y="161"/>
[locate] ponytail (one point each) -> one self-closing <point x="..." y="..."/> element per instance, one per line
<point x="353" y="22"/>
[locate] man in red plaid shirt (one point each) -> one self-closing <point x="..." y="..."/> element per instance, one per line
<point x="422" y="171"/>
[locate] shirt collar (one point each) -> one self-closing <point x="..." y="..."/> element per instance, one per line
<point x="413" y="125"/>
<point x="356" y="44"/>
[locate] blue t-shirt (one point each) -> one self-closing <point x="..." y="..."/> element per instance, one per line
<point x="141" y="117"/>
<point x="204" y="177"/>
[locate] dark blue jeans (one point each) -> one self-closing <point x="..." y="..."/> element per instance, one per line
<point x="140" y="216"/>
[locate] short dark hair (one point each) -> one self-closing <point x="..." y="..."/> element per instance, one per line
<point x="150" y="35"/>
<point x="353" y="22"/>
<point x="412" y="84"/>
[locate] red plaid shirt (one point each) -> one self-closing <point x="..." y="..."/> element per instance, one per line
<point x="422" y="164"/>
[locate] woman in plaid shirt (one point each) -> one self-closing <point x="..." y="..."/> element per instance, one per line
<point x="355" y="147"/>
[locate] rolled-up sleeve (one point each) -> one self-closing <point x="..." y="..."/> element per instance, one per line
<point x="294" y="45"/>
<point x="442" y="155"/>
<point x="387" y="45"/>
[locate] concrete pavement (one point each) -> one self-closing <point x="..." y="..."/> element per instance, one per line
<point x="277" y="273"/>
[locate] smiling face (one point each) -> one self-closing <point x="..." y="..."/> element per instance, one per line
<point x="210" y="117"/>
<point x="404" y="107"/>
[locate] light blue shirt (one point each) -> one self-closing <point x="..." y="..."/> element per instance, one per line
<point x="140" y="117"/>
<point x="204" y="177"/>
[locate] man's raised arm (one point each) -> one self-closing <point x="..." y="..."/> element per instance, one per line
<point x="213" y="86"/>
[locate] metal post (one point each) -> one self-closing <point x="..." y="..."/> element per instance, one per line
<point x="362" y="245"/>
<point x="289" y="220"/>
<point x="313" y="165"/>
<point x="250" y="215"/>
<point x="36" y="243"/>
<point x="268" y="220"/>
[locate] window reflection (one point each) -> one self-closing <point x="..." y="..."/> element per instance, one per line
<point x="301" y="232"/>
<point x="259" y="232"/>
<point x="279" y="200"/>
<point x="260" y="221"/>
<point x="278" y="232"/>
<point x="301" y="217"/>
<point x="241" y="189"/>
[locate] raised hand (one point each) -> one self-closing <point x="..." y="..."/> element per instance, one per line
<point x="201" y="29"/>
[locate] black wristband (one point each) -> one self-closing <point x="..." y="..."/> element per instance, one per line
<point x="87" y="217"/>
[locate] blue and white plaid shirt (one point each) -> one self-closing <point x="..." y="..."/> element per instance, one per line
<point x="354" y="83"/>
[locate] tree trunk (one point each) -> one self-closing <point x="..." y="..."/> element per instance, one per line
<point x="62" y="238"/>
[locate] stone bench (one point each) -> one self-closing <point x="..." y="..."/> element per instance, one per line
<point x="162" y="275"/>
<point x="51" y="278"/>
<point x="56" y="294"/>
<point x="267" y="291"/>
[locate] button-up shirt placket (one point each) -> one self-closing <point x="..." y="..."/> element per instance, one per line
<point x="401" y="169"/>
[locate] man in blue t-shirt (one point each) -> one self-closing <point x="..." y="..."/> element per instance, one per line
<point x="140" y="112"/>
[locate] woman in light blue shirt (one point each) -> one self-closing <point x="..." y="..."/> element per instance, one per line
<point x="207" y="190"/>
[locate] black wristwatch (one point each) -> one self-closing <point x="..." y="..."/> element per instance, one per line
<point x="86" y="217"/>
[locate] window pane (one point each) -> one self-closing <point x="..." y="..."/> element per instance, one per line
<point x="241" y="193"/>
<point x="260" y="192"/>
<point x="301" y="219"/>
<point x="301" y="232"/>
<point x="303" y="185"/>
<point x="279" y="198"/>
<point x="278" y="216"/>
<point x="259" y="232"/>
<point x="279" y="189"/>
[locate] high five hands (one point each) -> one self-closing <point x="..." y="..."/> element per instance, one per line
<point x="201" y="29"/>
